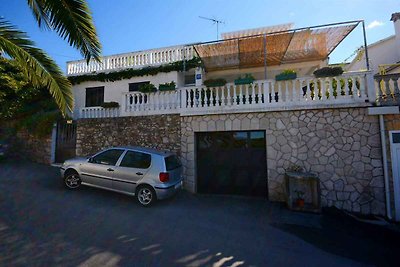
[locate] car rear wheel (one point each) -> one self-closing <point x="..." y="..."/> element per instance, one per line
<point x="146" y="195"/>
<point x="72" y="180"/>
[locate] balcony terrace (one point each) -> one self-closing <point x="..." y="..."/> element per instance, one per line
<point x="134" y="60"/>
<point x="270" y="50"/>
<point x="347" y="90"/>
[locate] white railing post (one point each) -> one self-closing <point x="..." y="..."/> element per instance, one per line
<point x="370" y="90"/>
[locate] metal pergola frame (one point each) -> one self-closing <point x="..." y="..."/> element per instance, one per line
<point x="356" y="23"/>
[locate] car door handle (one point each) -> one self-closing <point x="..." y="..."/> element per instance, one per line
<point x="110" y="170"/>
<point x="139" y="173"/>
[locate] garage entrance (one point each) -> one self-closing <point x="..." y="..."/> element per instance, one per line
<point x="232" y="163"/>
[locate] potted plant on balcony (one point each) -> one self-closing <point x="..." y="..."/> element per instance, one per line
<point x="328" y="72"/>
<point x="248" y="79"/>
<point x="167" y="86"/>
<point x="111" y="104"/>
<point x="215" y="82"/>
<point x="286" y="75"/>
<point x="147" y="88"/>
<point x="300" y="198"/>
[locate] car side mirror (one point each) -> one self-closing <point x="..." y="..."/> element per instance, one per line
<point x="90" y="159"/>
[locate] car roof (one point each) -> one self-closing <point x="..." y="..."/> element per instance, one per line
<point x="146" y="150"/>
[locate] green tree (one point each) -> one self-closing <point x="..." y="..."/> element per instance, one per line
<point x="23" y="106"/>
<point x="18" y="98"/>
<point x="72" y="20"/>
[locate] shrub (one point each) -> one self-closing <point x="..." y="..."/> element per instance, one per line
<point x="110" y="105"/>
<point x="40" y="124"/>
<point x="248" y="78"/>
<point x="328" y="72"/>
<point x="214" y="82"/>
<point x="147" y="88"/>
<point x="167" y="86"/>
<point x="286" y="72"/>
<point x="286" y="75"/>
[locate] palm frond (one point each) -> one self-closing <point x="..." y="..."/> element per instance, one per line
<point x="72" y="20"/>
<point x="39" y="68"/>
<point x="38" y="10"/>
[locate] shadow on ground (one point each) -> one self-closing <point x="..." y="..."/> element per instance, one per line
<point x="42" y="224"/>
<point x="343" y="235"/>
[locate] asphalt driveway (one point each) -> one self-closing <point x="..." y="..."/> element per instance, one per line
<point x="42" y="224"/>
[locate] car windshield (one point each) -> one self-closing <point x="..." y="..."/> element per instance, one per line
<point x="172" y="162"/>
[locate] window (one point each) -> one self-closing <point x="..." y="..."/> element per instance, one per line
<point x="190" y="79"/>
<point x="109" y="157"/>
<point x="133" y="159"/>
<point x="172" y="163"/>
<point x="94" y="96"/>
<point x="257" y="139"/>
<point x="133" y="87"/>
<point x="396" y="138"/>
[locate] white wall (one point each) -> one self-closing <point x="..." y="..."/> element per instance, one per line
<point x="383" y="52"/>
<point x="302" y="69"/>
<point x="113" y="91"/>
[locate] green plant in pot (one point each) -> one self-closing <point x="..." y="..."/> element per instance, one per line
<point x="111" y="104"/>
<point x="215" y="82"/>
<point x="328" y="72"/>
<point x="286" y="75"/>
<point x="147" y="88"/>
<point x="300" y="198"/>
<point x="247" y="79"/>
<point x="167" y="86"/>
<point x="295" y="168"/>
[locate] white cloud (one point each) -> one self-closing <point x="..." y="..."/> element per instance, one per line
<point x="375" y="24"/>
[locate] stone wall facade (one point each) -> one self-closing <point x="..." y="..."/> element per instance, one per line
<point x="341" y="145"/>
<point x="27" y="146"/>
<point x="158" y="131"/>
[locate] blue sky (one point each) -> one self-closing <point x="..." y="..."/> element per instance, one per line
<point x="127" y="25"/>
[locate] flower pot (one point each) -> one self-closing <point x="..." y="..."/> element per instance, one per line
<point x="285" y="76"/>
<point x="244" y="81"/>
<point x="300" y="203"/>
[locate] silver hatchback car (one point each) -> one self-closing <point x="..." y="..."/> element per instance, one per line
<point x="148" y="174"/>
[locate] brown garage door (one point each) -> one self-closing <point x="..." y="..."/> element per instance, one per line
<point x="232" y="163"/>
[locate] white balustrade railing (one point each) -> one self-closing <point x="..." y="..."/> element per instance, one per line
<point x="349" y="89"/>
<point x="387" y="88"/>
<point x="99" y="112"/>
<point x="132" y="60"/>
<point x="152" y="103"/>
<point x="270" y="94"/>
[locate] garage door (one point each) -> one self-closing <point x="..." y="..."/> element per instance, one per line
<point x="232" y="163"/>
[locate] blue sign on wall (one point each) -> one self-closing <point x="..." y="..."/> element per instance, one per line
<point x="198" y="76"/>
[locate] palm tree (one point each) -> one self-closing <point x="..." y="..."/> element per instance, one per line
<point x="72" y="20"/>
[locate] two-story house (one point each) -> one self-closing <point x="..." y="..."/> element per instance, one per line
<point x="241" y="111"/>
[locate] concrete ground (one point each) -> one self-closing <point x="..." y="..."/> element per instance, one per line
<point x="42" y="224"/>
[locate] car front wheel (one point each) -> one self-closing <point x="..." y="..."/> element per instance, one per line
<point x="72" y="180"/>
<point x="146" y="195"/>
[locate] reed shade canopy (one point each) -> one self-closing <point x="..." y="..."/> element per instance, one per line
<point x="275" y="48"/>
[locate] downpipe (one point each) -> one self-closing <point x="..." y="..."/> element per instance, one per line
<point x="385" y="166"/>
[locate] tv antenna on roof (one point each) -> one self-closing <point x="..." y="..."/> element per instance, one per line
<point x="215" y="21"/>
